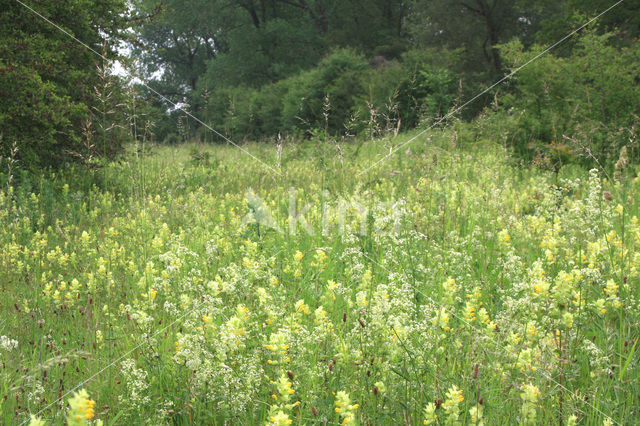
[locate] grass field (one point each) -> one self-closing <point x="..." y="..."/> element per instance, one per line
<point x="447" y="285"/>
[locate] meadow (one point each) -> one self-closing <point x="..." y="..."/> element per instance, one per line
<point x="450" y="284"/>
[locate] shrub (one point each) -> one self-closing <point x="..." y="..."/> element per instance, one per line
<point x="589" y="99"/>
<point x="338" y="76"/>
<point x="53" y="101"/>
<point x="341" y="89"/>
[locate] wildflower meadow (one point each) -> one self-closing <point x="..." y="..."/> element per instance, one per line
<point x="449" y="284"/>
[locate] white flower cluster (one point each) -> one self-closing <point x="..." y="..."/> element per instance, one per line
<point x="137" y="386"/>
<point x="7" y="344"/>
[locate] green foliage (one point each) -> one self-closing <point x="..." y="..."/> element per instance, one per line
<point x="200" y="158"/>
<point x="196" y="50"/>
<point x="371" y="26"/>
<point x="342" y="91"/>
<point x="177" y="40"/>
<point x="258" y="56"/>
<point x="33" y="113"/>
<point x="268" y="106"/>
<point x="623" y="18"/>
<point x="329" y="89"/>
<point x="427" y="88"/>
<point x="256" y="69"/>
<point x="47" y="81"/>
<point x="590" y="99"/>
<point x="478" y="26"/>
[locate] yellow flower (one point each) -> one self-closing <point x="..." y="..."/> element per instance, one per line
<point x="345" y="408"/>
<point x="81" y="409"/>
<point x="430" y="416"/>
<point x="280" y="419"/>
<point x="36" y="421"/>
<point x="504" y="237"/>
<point x="301" y="307"/>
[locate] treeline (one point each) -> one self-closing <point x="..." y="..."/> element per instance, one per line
<point x="263" y="68"/>
<point x="345" y="94"/>
<point x="260" y="69"/>
<point x="585" y="103"/>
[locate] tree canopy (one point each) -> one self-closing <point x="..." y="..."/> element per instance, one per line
<point x="200" y="49"/>
<point x="259" y="68"/>
<point x="48" y="80"/>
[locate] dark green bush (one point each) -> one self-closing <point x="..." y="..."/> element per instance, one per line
<point x="342" y="91"/>
<point x="268" y="107"/>
<point x="331" y="89"/>
<point x="51" y="104"/>
<point x="589" y="100"/>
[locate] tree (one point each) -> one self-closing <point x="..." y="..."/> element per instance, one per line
<point x="479" y="26"/>
<point x="47" y="80"/>
<point x="177" y="38"/>
<point x="375" y="27"/>
<point x="624" y="18"/>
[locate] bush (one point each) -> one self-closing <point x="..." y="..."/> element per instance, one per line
<point x="428" y="87"/>
<point x="342" y="91"/>
<point x="330" y="89"/>
<point x="268" y="104"/>
<point x="589" y="100"/>
<point x="53" y="101"/>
